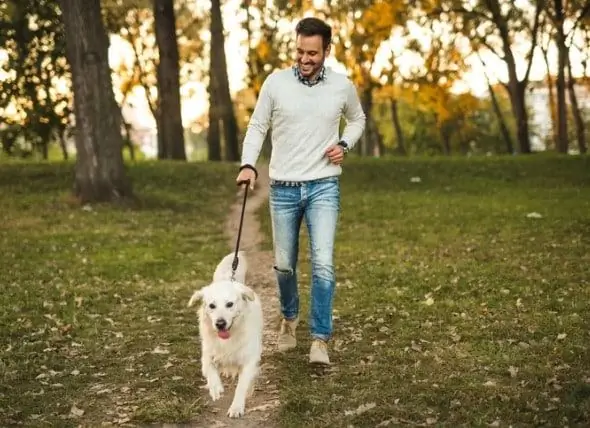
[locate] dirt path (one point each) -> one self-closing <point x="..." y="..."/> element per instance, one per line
<point x="261" y="407"/>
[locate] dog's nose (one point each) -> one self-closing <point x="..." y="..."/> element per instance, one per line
<point x="220" y="324"/>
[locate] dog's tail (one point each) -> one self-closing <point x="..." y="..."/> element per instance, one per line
<point x="224" y="268"/>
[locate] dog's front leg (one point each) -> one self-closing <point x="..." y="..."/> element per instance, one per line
<point x="247" y="376"/>
<point x="213" y="380"/>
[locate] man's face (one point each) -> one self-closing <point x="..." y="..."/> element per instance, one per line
<point x="310" y="54"/>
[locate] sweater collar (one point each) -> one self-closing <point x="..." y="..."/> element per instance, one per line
<point x="309" y="82"/>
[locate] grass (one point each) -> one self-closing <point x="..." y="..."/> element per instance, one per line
<point x="453" y="307"/>
<point x="93" y="305"/>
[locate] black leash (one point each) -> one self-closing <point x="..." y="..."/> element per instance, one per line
<point x="234" y="265"/>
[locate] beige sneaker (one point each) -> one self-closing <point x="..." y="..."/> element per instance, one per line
<point x="318" y="354"/>
<point x="287" y="338"/>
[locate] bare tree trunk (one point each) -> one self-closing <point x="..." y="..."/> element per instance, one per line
<point x="219" y="68"/>
<point x="498" y="111"/>
<point x="552" y="105"/>
<point x="62" y="144"/>
<point x="214" y="131"/>
<point x="517" y="97"/>
<point x="169" y="80"/>
<point x="516" y="88"/>
<point x="501" y="121"/>
<point x="578" y="119"/>
<point x="562" y="54"/>
<point x="100" y="172"/>
<point x="368" y="147"/>
<point x="399" y="135"/>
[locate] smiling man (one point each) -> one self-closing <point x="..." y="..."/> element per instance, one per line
<point x="302" y="107"/>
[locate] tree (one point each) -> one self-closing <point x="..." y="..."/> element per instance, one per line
<point x="220" y="102"/>
<point x="168" y="81"/>
<point x="494" y="25"/>
<point x="31" y="35"/>
<point x="100" y="173"/>
<point x="360" y="27"/>
<point x="134" y="22"/>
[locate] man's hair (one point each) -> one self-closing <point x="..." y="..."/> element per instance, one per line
<point x="315" y="27"/>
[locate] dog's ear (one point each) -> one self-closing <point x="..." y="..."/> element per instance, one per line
<point x="197" y="295"/>
<point x="248" y="294"/>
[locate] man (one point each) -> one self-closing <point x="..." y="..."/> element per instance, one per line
<point x="302" y="106"/>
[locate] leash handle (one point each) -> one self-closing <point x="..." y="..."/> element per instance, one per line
<point x="235" y="262"/>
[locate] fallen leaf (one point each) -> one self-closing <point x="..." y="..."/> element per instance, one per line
<point x="360" y="409"/>
<point x="74" y="411"/>
<point x="513" y="371"/>
<point x="159" y="350"/>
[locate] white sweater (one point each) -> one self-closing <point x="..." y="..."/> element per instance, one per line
<point x="303" y="121"/>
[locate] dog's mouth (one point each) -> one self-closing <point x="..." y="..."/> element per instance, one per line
<point x="223" y="334"/>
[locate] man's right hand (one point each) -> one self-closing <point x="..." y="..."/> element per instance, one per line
<point x="246" y="175"/>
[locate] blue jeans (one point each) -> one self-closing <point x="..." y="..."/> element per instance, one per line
<point x="318" y="202"/>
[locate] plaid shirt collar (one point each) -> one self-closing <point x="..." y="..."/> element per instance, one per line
<point x="309" y="82"/>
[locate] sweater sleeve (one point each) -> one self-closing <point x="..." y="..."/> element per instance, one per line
<point x="259" y="125"/>
<point x="355" y="117"/>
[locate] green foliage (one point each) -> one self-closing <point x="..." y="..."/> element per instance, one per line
<point x="35" y="101"/>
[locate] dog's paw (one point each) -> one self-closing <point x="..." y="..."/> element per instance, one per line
<point x="236" y="410"/>
<point x="215" y="389"/>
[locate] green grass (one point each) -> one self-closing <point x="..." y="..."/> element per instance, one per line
<point x="93" y="303"/>
<point x="453" y="307"/>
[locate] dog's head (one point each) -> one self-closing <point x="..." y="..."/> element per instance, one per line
<point x="223" y="303"/>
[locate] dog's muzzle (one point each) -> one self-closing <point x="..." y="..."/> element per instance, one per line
<point x="221" y="324"/>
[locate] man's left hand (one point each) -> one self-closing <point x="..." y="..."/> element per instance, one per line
<point x="335" y="153"/>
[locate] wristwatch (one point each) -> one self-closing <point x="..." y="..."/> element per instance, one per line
<point x="344" y="145"/>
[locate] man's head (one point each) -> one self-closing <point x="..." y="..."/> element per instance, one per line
<point x="314" y="38"/>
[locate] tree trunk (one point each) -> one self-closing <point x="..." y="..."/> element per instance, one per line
<point x="169" y="80"/>
<point x="517" y="99"/>
<point x="368" y="148"/>
<point x="62" y="144"/>
<point x="445" y="138"/>
<point x="100" y="172"/>
<point x="552" y="105"/>
<point x="399" y="135"/>
<point x="218" y="67"/>
<point x="214" y="131"/>
<point x="501" y="121"/>
<point x="578" y="119"/>
<point x="516" y="87"/>
<point x="562" y="137"/>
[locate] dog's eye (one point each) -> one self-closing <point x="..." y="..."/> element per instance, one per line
<point x="229" y="304"/>
<point x="212" y="305"/>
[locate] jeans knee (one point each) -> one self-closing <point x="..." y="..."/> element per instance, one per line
<point x="323" y="271"/>
<point x="284" y="270"/>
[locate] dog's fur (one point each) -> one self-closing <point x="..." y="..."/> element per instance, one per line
<point x="239" y="354"/>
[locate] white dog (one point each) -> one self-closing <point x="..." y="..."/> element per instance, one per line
<point x="230" y="326"/>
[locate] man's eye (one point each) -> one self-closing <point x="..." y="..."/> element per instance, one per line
<point x="229" y="304"/>
<point x="212" y="305"/>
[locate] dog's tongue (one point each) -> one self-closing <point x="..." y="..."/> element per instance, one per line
<point x="223" y="334"/>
